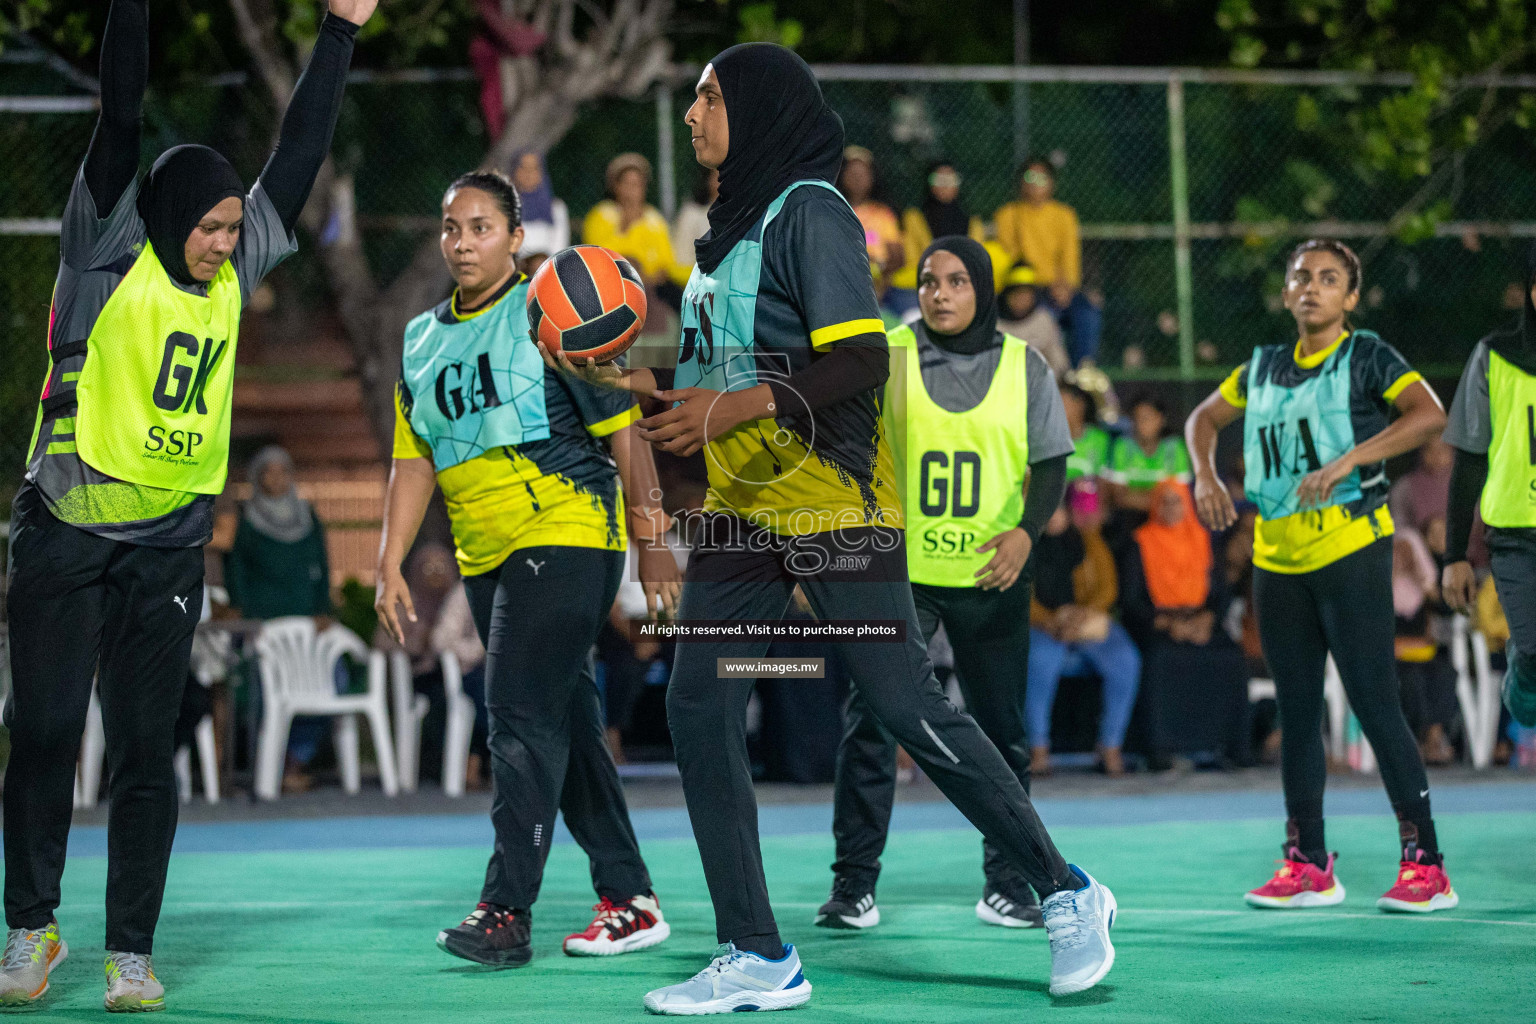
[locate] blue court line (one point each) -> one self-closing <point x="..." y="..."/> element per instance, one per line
<point x="474" y="830"/>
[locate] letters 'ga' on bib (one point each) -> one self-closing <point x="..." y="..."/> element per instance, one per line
<point x="1289" y="432"/>
<point x="1509" y="496"/>
<point x="964" y="472"/>
<point x="716" y="350"/>
<point x="476" y="384"/>
<point x="158" y="385"/>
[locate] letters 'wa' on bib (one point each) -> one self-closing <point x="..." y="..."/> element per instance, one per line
<point x="1289" y="432"/>
<point x="158" y="385"/>
<point x="964" y="472"/>
<point x="475" y="384"/>
<point x="1509" y="496"/>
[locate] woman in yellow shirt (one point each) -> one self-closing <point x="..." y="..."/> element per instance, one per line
<point x="942" y="213"/>
<point x="636" y="230"/>
<point x="1043" y="232"/>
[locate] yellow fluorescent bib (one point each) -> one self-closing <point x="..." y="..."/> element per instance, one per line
<point x="158" y="384"/>
<point x="964" y="472"/>
<point x="1509" y="496"/>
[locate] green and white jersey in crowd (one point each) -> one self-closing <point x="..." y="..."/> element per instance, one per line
<point x="1090" y="457"/>
<point x="1134" y="468"/>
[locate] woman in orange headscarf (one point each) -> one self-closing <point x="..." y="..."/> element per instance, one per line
<point x="1193" y="685"/>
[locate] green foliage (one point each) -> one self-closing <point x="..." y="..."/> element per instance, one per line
<point x="1416" y="136"/>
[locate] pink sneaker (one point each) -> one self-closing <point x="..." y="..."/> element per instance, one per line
<point x="1299" y="883"/>
<point x="1421" y="888"/>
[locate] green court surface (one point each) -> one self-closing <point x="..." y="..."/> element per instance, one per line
<point x="347" y="935"/>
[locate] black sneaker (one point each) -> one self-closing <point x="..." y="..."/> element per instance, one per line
<point x="1006" y="912"/>
<point x="491" y="935"/>
<point x="852" y="906"/>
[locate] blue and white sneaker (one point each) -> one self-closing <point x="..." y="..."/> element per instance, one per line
<point x="1077" y="922"/>
<point x="736" y="981"/>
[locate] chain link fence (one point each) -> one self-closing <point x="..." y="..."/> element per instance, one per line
<point x="1190" y="186"/>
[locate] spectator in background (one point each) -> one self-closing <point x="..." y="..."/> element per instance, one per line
<point x="1071" y="631"/>
<point x="940" y="215"/>
<point x="1424" y="670"/>
<point x="882" y="235"/>
<point x="1091" y="441"/>
<point x="546" y="222"/>
<point x="631" y="227"/>
<point x="1193" y="681"/>
<point x="278" y="567"/>
<point x="1043" y="232"/>
<point x="278" y="563"/>
<point x="692" y="219"/>
<point x="1423" y="494"/>
<point x="1139" y="461"/>
<point x="1020" y="314"/>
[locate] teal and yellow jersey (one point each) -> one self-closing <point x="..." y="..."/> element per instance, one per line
<point x="792" y="288"/>
<point x="1301" y="412"/>
<point x="558" y="486"/>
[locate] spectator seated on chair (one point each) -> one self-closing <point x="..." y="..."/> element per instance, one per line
<point x="546" y="221"/>
<point x="636" y="230"/>
<point x="277" y="567"/>
<point x="1020" y="313"/>
<point x="1194" y="680"/>
<point x="1071" y="631"/>
<point x="1140" y="460"/>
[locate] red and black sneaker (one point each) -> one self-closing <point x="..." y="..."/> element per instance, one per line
<point x="491" y="935"/>
<point x="1421" y="886"/>
<point x="621" y="928"/>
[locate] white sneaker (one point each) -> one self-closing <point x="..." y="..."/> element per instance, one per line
<point x="734" y="982"/>
<point x="131" y="984"/>
<point x="30" y="956"/>
<point x="1078" y="922"/>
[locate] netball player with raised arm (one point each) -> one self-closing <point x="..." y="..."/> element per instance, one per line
<point x="780" y="372"/>
<point x="130" y="448"/>
<point x="526" y="460"/>
<point x="1317" y="430"/>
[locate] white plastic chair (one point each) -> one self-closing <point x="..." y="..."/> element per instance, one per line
<point x="208" y="763"/>
<point x="1477" y="690"/>
<point x="93" y="753"/>
<point x="460" y="726"/>
<point x="410" y="708"/>
<point x="297" y="678"/>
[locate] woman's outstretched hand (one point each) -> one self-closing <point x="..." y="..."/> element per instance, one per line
<point x="356" y="11"/>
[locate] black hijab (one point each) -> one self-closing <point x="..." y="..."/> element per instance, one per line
<point x="1518" y="344"/>
<point x="982" y="332"/>
<point x="179" y="190"/>
<point x="781" y="131"/>
<point x="944" y="218"/>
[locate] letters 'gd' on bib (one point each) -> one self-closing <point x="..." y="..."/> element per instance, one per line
<point x="155" y="396"/>
<point x="964" y="472"/>
<point x="475" y="384"/>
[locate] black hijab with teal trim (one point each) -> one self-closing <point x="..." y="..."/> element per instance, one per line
<point x="782" y="131"/>
<point x="1518" y="344"/>
<point x="184" y="184"/>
